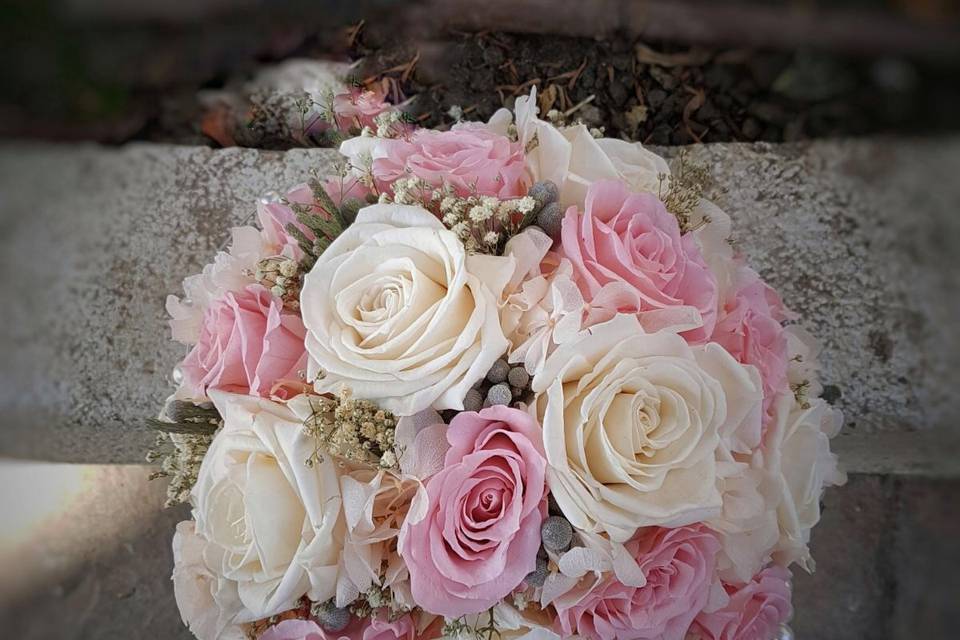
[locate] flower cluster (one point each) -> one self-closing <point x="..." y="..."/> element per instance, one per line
<point x="356" y="430"/>
<point x="509" y="378"/>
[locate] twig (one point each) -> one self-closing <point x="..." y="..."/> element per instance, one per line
<point x="569" y="112"/>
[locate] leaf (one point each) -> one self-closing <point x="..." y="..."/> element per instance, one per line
<point x="183" y="411"/>
<point x="326" y="202"/>
<point x="692" y="58"/>
<point x="192" y="428"/>
<point x="311" y="221"/>
<point x="305" y="243"/>
<point x="547" y="98"/>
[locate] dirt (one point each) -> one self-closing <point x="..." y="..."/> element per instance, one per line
<point x="148" y="86"/>
<point x="662" y="94"/>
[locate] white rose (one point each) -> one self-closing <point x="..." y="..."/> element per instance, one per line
<point x="274" y="524"/>
<point x="542" y="306"/>
<point x="747" y="525"/>
<point x="800" y="454"/>
<point x="208" y="603"/>
<point x="398" y="312"/>
<point x="573" y="159"/>
<point x="631" y="422"/>
<point x="375" y="504"/>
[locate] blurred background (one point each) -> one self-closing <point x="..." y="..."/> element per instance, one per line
<point x="134" y="134"/>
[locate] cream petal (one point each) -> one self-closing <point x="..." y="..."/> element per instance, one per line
<point x="291" y="530"/>
<point x="439" y="333"/>
<point x="632" y="424"/>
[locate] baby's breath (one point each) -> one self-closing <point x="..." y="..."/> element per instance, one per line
<point x="180" y="456"/>
<point x="681" y="193"/>
<point x="389" y="123"/>
<point x="356" y="430"/>
<point x="282" y="276"/>
<point x="482" y="223"/>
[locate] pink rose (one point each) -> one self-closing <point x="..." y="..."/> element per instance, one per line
<point x="750" y="329"/>
<point x="274" y="218"/>
<point x="381" y="628"/>
<point x="357" y="108"/>
<point x="480" y="535"/>
<point x="349" y="186"/>
<point x="470" y="158"/>
<point x="755" y="610"/>
<point x="679" y="568"/>
<point x="247" y="344"/>
<point x="628" y="256"/>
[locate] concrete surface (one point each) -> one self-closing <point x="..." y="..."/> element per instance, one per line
<point x="886" y="558"/>
<point x="887" y="563"/>
<point x="88" y="556"/>
<point x="92" y="241"/>
<point x="857" y="235"/>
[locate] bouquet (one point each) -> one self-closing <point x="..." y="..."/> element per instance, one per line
<point x="508" y="379"/>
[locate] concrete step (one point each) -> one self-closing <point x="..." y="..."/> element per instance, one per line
<point x="885" y="551"/>
<point x="857" y="235"/>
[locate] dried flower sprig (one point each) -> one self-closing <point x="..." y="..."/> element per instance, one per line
<point x="180" y="456"/>
<point x="483" y="223"/>
<point x="352" y="429"/>
<point x="681" y="192"/>
<point x="392" y="123"/>
<point x="187" y="418"/>
<point x="323" y="218"/>
<point x="801" y="391"/>
<point x="283" y="277"/>
<point x="375" y="601"/>
<point x="186" y="434"/>
<point x="463" y="629"/>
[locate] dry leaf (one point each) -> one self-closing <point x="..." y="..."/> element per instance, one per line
<point x="694" y="57"/>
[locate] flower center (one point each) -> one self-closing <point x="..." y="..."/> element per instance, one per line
<point x="383" y="300"/>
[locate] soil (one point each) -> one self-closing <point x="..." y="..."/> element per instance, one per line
<point x="662" y="94"/>
<point x="147" y="86"/>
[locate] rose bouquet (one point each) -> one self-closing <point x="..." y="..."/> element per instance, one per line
<point x="507" y="379"/>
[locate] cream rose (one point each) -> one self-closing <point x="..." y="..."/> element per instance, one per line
<point x="632" y="421"/>
<point x="573" y="159"/>
<point x="396" y="310"/>
<point x="747" y="525"/>
<point x="274" y="525"/>
<point x="799" y="445"/>
<point x="375" y="503"/>
<point x="542" y="305"/>
<point x="208" y="603"/>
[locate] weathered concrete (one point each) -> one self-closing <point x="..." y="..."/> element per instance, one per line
<point x="93" y="240"/>
<point x="89" y="556"/>
<point x="886" y="553"/>
<point x="857" y="235"/>
<point x="858" y="238"/>
<point x="887" y="563"/>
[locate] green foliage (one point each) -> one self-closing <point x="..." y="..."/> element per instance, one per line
<point x="323" y="218"/>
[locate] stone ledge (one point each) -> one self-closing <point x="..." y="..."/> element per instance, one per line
<point x="885" y="552"/>
<point x="857" y="236"/>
